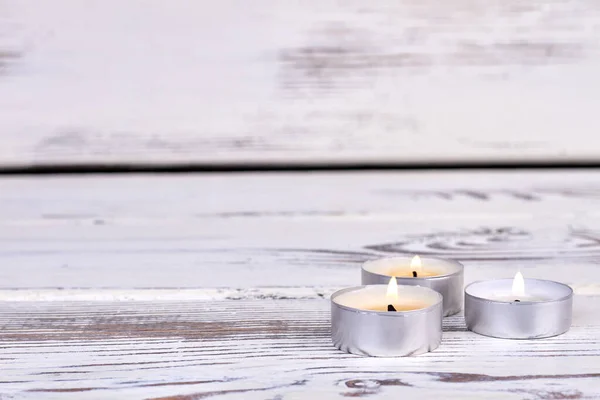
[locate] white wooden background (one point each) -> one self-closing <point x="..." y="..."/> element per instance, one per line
<point x="216" y="286"/>
<point x="153" y="81"/>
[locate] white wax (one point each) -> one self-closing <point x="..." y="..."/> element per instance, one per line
<point x="374" y="298"/>
<point x="536" y="290"/>
<point x="400" y="267"/>
<point x="510" y="298"/>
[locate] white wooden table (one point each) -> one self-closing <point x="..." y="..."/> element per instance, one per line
<point x="216" y="286"/>
<point x="202" y="286"/>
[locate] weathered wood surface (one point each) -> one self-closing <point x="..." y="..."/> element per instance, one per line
<point x="271" y="349"/>
<point x="307" y="81"/>
<point x="216" y="286"/>
<point x="284" y="229"/>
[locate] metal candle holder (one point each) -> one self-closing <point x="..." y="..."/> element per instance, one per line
<point x="450" y="282"/>
<point x="387" y="334"/>
<point x="549" y="315"/>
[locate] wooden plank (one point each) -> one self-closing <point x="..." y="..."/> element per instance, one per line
<point x="282" y="230"/>
<point x="262" y="349"/>
<point x="309" y="81"/>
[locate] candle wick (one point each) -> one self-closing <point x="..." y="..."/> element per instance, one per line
<point x="414" y="274"/>
<point x="391" y="308"/>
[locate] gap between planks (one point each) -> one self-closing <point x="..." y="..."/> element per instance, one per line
<point x="199" y="294"/>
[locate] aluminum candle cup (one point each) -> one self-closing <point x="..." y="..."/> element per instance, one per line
<point x="444" y="276"/>
<point x="492" y="310"/>
<point x="358" y="327"/>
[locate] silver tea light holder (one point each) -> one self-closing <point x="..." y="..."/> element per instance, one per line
<point x="543" y="309"/>
<point x="360" y="326"/>
<point x="444" y="276"/>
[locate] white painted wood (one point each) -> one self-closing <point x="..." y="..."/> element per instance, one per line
<point x="247" y="231"/>
<point x="193" y="287"/>
<point x="262" y="349"/>
<point x="308" y="81"/>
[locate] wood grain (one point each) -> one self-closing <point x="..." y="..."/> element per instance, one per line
<point x="216" y="286"/>
<point x="282" y="230"/>
<point x="270" y="349"/>
<point x="305" y="82"/>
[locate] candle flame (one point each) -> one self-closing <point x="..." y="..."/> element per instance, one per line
<point x="415" y="264"/>
<point x="392" y="291"/>
<point x="518" y="286"/>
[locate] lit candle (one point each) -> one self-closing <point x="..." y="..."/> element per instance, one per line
<point x="415" y="269"/>
<point x="443" y="276"/>
<point x="518" y="308"/>
<point x="379" y="297"/>
<point x="517" y="293"/>
<point x="386" y="320"/>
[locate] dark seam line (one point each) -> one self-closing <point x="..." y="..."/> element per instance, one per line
<point x="138" y="168"/>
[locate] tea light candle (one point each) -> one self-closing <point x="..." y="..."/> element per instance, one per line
<point x="386" y="320"/>
<point x="444" y="276"/>
<point x="519" y="308"/>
